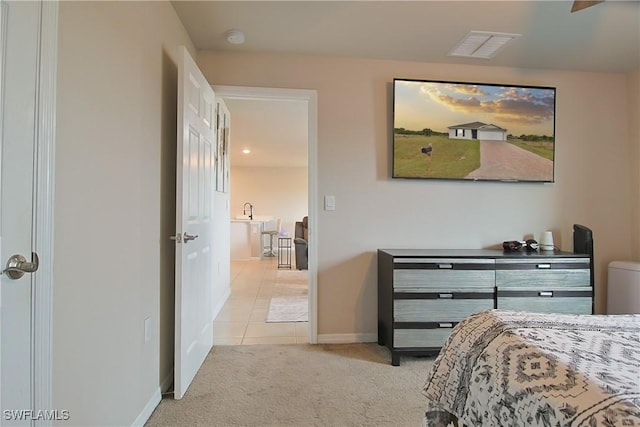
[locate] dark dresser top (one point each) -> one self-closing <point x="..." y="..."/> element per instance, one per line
<point x="478" y="253"/>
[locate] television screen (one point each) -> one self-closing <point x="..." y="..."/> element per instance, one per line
<point x="472" y="131"/>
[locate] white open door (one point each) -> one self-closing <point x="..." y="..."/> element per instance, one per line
<point x="27" y="97"/>
<point x="17" y="142"/>
<point x="28" y="40"/>
<point x="194" y="224"/>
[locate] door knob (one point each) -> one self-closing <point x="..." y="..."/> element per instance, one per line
<point x="188" y="237"/>
<point x="18" y="265"/>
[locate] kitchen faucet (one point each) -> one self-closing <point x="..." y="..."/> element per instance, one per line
<point x="244" y="210"/>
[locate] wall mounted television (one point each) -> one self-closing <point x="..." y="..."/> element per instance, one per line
<point x="473" y="131"/>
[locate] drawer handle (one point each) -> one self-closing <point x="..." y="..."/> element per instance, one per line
<point x="445" y="296"/>
<point x="543" y="266"/>
<point x="445" y="325"/>
<point x="545" y="294"/>
<point x="445" y="265"/>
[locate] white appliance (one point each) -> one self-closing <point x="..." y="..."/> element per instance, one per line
<point x="623" y="293"/>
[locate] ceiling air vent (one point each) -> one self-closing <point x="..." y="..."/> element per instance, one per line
<point x="482" y="44"/>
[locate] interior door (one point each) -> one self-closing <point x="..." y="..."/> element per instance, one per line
<point x="19" y="33"/>
<point x="194" y="222"/>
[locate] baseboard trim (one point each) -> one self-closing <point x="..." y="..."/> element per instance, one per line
<point x="148" y="409"/>
<point x="346" y="338"/>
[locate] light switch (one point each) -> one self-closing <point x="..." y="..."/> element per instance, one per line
<point x="329" y="203"/>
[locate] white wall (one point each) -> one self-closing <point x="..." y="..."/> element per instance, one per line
<point x="593" y="184"/>
<point x="281" y="192"/>
<point x="114" y="208"/>
<point x="221" y="287"/>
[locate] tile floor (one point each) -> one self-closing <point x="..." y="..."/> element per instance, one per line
<point x="242" y="319"/>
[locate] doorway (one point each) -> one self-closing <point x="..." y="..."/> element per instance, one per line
<point x="307" y="99"/>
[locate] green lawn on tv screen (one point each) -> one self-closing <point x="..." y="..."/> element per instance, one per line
<point x="450" y="158"/>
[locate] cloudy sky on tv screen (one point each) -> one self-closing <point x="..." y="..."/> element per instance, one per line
<point x="438" y="105"/>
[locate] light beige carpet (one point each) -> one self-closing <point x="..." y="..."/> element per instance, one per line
<point x="290" y="298"/>
<point x="339" y="385"/>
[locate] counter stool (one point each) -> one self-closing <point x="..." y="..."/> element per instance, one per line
<point x="271" y="233"/>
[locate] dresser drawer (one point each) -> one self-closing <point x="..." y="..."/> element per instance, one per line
<point x="542" y="274"/>
<point x="564" y="305"/>
<point x="436" y="310"/>
<point x="403" y="338"/>
<point x="443" y="274"/>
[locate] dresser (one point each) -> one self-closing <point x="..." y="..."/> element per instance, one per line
<point x="424" y="293"/>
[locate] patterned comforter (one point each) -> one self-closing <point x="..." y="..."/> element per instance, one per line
<point x="503" y="368"/>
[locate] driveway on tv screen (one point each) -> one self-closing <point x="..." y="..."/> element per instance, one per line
<point x="501" y="160"/>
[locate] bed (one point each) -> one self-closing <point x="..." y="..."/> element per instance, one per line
<point x="505" y="368"/>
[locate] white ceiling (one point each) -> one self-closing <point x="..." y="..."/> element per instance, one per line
<point x="275" y="131"/>
<point x="602" y="38"/>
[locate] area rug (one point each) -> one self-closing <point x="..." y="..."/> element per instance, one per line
<point x="290" y="299"/>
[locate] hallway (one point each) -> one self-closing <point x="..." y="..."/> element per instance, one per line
<point x="242" y="319"/>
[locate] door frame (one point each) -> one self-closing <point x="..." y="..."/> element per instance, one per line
<point x="44" y="206"/>
<point x="311" y="98"/>
<point x="42" y="300"/>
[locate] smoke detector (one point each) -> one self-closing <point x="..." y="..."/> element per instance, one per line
<point x="235" y="36"/>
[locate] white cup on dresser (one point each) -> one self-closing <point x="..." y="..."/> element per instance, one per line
<point x="546" y="241"/>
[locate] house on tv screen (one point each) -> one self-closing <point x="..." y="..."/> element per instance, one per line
<point x="478" y="130"/>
